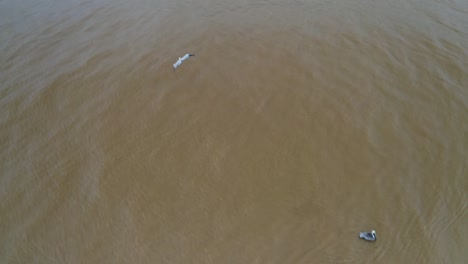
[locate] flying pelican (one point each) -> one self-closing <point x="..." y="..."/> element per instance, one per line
<point x="180" y="60"/>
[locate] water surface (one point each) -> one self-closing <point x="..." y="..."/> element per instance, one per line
<point x="297" y="125"/>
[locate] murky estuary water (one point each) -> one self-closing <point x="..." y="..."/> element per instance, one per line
<point x="297" y="125"/>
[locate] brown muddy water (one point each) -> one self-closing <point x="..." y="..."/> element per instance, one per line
<point x="297" y="125"/>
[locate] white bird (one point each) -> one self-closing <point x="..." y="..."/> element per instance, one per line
<point x="180" y="60"/>
<point x="369" y="236"/>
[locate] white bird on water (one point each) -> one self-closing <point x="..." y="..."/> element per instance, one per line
<point x="369" y="236"/>
<point x="181" y="59"/>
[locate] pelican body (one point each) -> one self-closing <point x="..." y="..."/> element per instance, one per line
<point x="369" y="236"/>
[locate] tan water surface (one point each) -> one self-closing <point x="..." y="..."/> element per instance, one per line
<point x="297" y="125"/>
